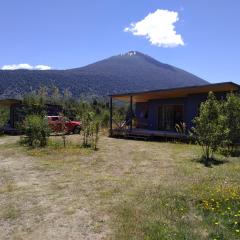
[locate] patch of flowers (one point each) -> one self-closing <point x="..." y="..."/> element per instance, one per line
<point x="221" y="210"/>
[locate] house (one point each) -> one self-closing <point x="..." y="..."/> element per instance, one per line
<point x="156" y="113"/>
<point x="17" y="113"/>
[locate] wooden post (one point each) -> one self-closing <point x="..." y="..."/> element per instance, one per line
<point x="110" y="115"/>
<point x="131" y="112"/>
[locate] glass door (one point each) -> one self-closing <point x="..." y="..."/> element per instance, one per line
<point x="169" y="116"/>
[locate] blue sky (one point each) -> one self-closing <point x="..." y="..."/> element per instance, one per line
<point x="72" y="33"/>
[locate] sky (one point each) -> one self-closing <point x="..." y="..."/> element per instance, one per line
<point x="201" y="37"/>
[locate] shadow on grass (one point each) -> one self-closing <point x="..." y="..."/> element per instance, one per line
<point x="232" y="153"/>
<point x="210" y="162"/>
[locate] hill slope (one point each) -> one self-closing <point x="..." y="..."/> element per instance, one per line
<point x="132" y="71"/>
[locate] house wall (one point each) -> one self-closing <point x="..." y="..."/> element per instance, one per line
<point x="191" y="105"/>
<point x="154" y="106"/>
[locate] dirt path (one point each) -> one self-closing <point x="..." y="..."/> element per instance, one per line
<point x="8" y="139"/>
<point x="69" y="195"/>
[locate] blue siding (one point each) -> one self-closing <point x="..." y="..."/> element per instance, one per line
<point x="193" y="103"/>
<point x="190" y="103"/>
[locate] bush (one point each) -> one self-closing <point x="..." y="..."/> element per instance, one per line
<point x="231" y="110"/>
<point x="210" y="129"/>
<point x="4" y="115"/>
<point x="37" y="131"/>
<point x="105" y="119"/>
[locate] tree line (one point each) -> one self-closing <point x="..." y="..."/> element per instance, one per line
<point x="94" y="115"/>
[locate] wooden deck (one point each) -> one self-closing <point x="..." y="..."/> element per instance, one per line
<point x="145" y="134"/>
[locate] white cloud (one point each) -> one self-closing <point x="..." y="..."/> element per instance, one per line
<point x="25" y="66"/>
<point x="158" y="28"/>
<point x="42" y="67"/>
<point x="17" y="66"/>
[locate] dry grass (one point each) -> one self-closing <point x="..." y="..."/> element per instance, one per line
<point x="125" y="190"/>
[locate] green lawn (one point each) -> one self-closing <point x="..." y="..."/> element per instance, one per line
<point x="125" y="190"/>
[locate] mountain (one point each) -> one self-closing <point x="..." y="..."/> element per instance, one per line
<point x="130" y="72"/>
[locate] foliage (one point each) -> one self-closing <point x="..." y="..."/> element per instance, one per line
<point x="90" y="129"/>
<point x="95" y="134"/>
<point x="71" y="107"/>
<point x="93" y="114"/>
<point x="210" y="130"/>
<point x="37" y="131"/>
<point x="63" y="129"/>
<point x="4" y="115"/>
<point x="231" y="110"/>
<point x="35" y="102"/>
<point x="181" y="128"/>
<point x="105" y="119"/>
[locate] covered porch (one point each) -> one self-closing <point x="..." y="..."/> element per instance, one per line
<point x="164" y="113"/>
<point x="138" y="122"/>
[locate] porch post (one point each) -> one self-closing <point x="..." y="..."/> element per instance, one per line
<point x="110" y="115"/>
<point x="131" y="112"/>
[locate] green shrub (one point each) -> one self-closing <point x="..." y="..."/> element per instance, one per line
<point x="105" y="119"/>
<point x="37" y="131"/>
<point x="210" y="129"/>
<point x="4" y="115"/>
<point x="231" y="110"/>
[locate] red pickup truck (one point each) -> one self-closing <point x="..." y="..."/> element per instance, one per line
<point x="61" y="123"/>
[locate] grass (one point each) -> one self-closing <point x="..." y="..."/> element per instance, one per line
<point x="166" y="214"/>
<point x="221" y="211"/>
<point x="125" y="190"/>
<point x="10" y="212"/>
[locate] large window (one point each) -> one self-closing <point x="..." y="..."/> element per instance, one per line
<point x="169" y="116"/>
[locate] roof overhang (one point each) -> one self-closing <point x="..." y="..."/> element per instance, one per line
<point x="9" y="102"/>
<point x="177" y="92"/>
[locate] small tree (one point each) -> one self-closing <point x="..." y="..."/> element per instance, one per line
<point x="105" y="119"/>
<point x="87" y="119"/>
<point x="231" y="110"/>
<point x="64" y="129"/>
<point x="37" y="131"/>
<point x="210" y="129"/>
<point x="95" y="128"/>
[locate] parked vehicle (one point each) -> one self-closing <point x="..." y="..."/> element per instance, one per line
<point x="61" y="123"/>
